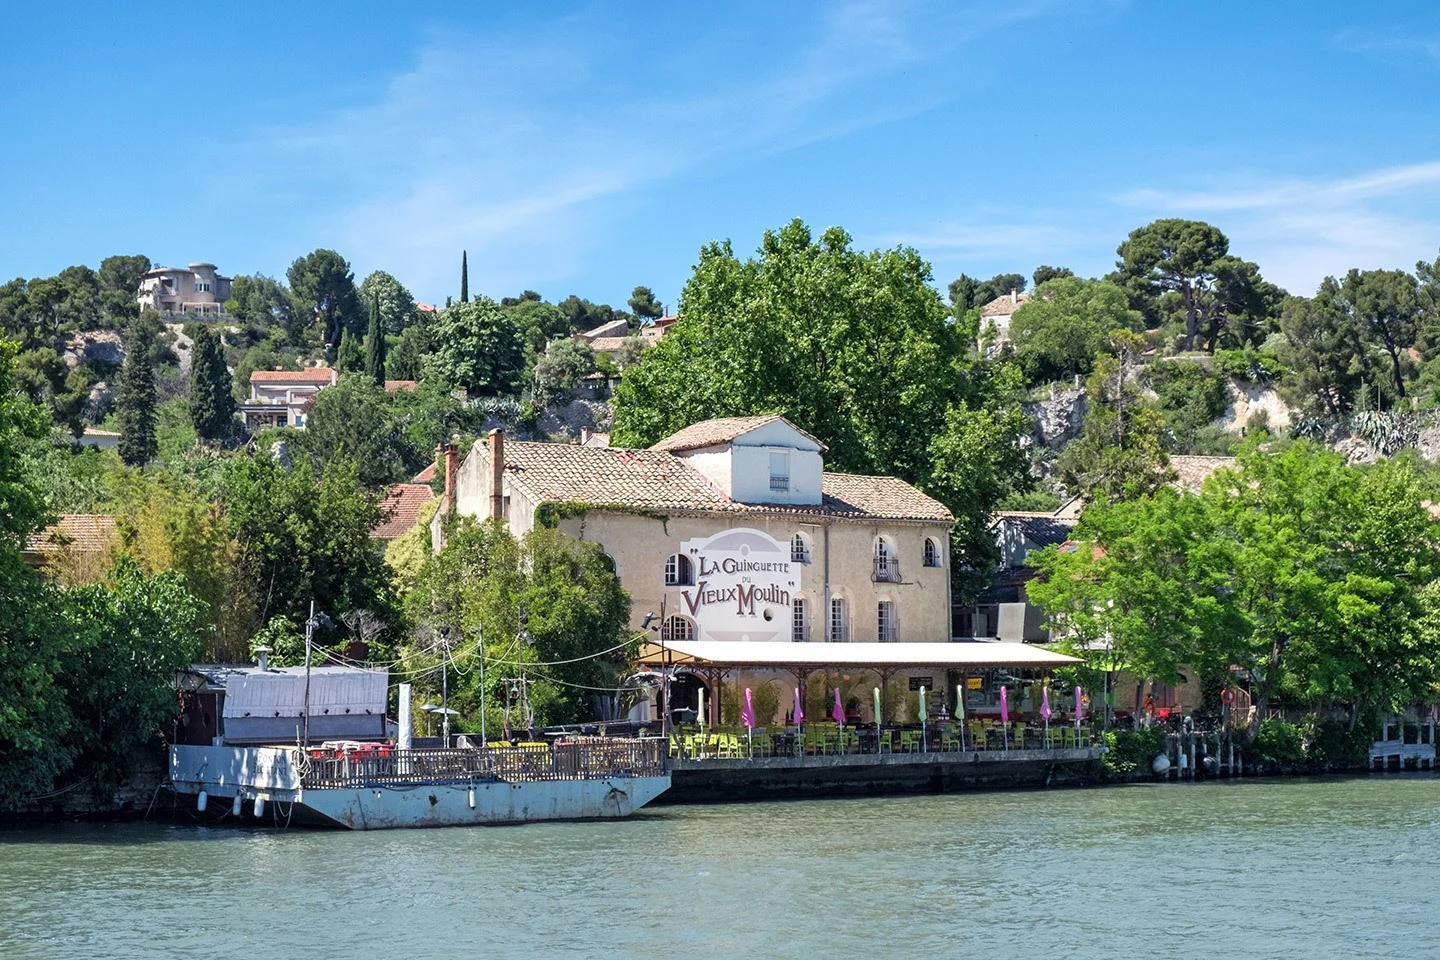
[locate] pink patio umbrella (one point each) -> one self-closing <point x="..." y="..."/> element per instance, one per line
<point x="838" y="712"/>
<point x="1045" y="710"/>
<point x="747" y="717"/>
<point x="1005" y="715"/>
<point x="1079" y="706"/>
<point x="799" y="710"/>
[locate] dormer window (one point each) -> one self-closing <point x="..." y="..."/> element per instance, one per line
<point x="779" y="471"/>
<point x="679" y="572"/>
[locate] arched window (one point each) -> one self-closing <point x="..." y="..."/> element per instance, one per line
<point x="885" y="621"/>
<point x="799" y="621"/>
<point x="676" y="628"/>
<point x="932" y="552"/>
<point x="678" y="570"/>
<point x="887" y="567"/>
<point x="799" y="549"/>
<point x="839" y="625"/>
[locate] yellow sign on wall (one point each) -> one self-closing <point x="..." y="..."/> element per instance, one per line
<point x="974" y="683"/>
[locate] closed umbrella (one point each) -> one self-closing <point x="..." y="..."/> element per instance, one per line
<point x="960" y="712"/>
<point x="877" y="719"/>
<point x="923" y="748"/>
<point x="1079" y="706"/>
<point x="1045" y="710"/>
<point x="799" y="711"/>
<point x="747" y="717"/>
<point x="838" y="712"/>
<point x="700" y="708"/>
<point x="1005" y="715"/>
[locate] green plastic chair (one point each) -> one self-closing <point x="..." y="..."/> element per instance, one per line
<point x="887" y="745"/>
<point x="949" y="739"/>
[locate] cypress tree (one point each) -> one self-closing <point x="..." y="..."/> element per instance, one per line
<point x="375" y="345"/>
<point x="349" y="358"/>
<point x="464" y="278"/>
<point x="212" y="404"/>
<point x="135" y="397"/>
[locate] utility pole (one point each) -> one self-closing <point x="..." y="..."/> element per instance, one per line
<point x="309" y="633"/>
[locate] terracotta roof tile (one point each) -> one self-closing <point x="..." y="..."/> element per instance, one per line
<point x="80" y="532"/>
<point x="1191" y="471"/>
<point x="325" y="375"/>
<point x="395" y="386"/>
<point x="660" y="481"/>
<point x="424" y="476"/>
<point x="400" y="509"/>
<point x="708" y="433"/>
<point x="1003" y="306"/>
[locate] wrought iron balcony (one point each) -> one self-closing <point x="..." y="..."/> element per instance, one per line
<point x="887" y="570"/>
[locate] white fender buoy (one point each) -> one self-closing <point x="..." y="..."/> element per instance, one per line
<point x="235" y="807"/>
<point x="1161" y="763"/>
<point x="259" y="807"/>
<point x="472" y="798"/>
<point x="202" y="801"/>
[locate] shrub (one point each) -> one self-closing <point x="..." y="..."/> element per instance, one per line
<point x="1131" y="750"/>
<point x="1280" y="743"/>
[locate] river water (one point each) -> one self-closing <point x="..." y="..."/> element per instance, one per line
<point x="1294" y="868"/>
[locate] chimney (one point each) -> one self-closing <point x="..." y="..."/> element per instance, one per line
<point x="497" y="474"/>
<point x="584" y="436"/>
<point x="452" y="468"/>
<point x="1014" y="296"/>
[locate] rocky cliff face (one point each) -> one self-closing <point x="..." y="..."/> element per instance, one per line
<point x="1057" y="419"/>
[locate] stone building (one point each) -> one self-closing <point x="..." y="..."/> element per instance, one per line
<point x="730" y="530"/>
<point x="198" y="290"/>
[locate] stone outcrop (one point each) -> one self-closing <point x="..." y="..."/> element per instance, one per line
<point x="1058" y="418"/>
<point x="1247" y="400"/>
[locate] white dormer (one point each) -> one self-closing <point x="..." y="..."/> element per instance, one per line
<point x="753" y="459"/>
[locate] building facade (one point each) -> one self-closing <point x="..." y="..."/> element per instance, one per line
<point x="197" y="289"/>
<point x="730" y="530"/>
<point x="282" y="398"/>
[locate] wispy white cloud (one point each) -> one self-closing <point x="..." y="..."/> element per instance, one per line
<point x="1391" y="46"/>
<point x="1301" y="230"/>
<point x="518" y="147"/>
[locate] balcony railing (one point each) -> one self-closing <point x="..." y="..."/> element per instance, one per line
<point x="887" y="570"/>
<point x="779" y="484"/>
<point x="592" y="759"/>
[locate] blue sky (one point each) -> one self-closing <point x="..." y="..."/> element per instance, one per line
<point x="585" y="148"/>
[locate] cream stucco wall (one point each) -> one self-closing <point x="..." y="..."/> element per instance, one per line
<point x="841" y="565"/>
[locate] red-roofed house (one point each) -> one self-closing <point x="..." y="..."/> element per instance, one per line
<point x="400" y="510"/>
<point x="73" y="534"/>
<point x="281" y="398"/>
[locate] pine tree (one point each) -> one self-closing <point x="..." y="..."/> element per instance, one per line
<point x="375" y="345"/>
<point x="464" y="278"/>
<point x="212" y="404"/>
<point x="349" y="358"/>
<point x="135" y="397"/>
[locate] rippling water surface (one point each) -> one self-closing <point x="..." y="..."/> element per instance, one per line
<point x="1303" y="869"/>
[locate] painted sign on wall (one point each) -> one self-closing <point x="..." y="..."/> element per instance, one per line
<point x="744" y="585"/>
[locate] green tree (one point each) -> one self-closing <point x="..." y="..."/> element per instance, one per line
<point x="547" y="606"/>
<point x="565" y="363"/>
<point x="464" y="277"/>
<point x="1322" y="353"/>
<point x="853" y="347"/>
<point x="119" y="279"/>
<point x="1059" y="332"/>
<point x="1043" y="273"/>
<point x="1172" y="255"/>
<point x="396" y="306"/>
<point x="644" y="306"/>
<point x="212" y="401"/>
<point x="306" y="535"/>
<point x="537" y="321"/>
<point x="968" y="293"/>
<point x="262" y="303"/>
<point x="477" y="347"/>
<point x="135" y="396"/>
<point x="1120" y="452"/>
<point x="407" y="360"/>
<point x="353" y="420"/>
<point x="350" y="358"/>
<point x="1384" y="307"/>
<point x="375" y="346"/>
<point x="324" y="288"/>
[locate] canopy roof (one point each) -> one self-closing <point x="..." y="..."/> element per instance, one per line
<point x="732" y="653"/>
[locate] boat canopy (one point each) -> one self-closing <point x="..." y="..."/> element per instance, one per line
<point x="961" y="654"/>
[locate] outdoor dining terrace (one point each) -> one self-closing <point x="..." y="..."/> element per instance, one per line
<point x="831" y="740"/>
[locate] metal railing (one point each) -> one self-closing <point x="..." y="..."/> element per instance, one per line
<point x="591" y="759"/>
<point x="887" y="570"/>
